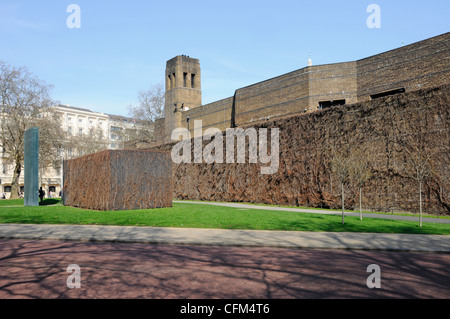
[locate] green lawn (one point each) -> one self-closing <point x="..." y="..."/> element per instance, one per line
<point x="11" y="202"/>
<point x="19" y="202"/>
<point x="346" y="210"/>
<point x="207" y="216"/>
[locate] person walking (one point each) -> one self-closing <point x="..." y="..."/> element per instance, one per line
<point x="41" y="194"/>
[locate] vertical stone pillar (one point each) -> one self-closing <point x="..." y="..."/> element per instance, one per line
<point x="31" y="154"/>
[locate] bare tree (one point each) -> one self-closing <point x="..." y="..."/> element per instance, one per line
<point x="419" y="168"/>
<point x="87" y="143"/>
<point x="360" y="172"/>
<point x="23" y="101"/>
<point x="340" y="166"/>
<point x="52" y="138"/>
<point x="418" y="148"/>
<point x="149" y="108"/>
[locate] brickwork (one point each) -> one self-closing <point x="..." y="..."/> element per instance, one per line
<point x="280" y="96"/>
<point x="332" y="82"/>
<point x="424" y="64"/>
<point x="183" y="90"/>
<point x="119" y="180"/>
<point x="216" y="114"/>
<point x="421" y="65"/>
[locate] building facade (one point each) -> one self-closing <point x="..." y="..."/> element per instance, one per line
<point x="420" y="65"/>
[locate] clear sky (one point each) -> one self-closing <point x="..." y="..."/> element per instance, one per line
<point x="122" y="46"/>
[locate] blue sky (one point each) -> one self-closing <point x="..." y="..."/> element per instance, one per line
<point x="122" y="46"/>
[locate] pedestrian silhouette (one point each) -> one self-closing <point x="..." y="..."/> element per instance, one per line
<point x="41" y="194"/>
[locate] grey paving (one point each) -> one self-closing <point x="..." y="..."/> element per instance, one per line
<point x="257" y="238"/>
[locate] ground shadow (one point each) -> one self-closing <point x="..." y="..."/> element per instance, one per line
<point x="37" y="269"/>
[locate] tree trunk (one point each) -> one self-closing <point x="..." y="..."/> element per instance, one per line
<point x="15" y="187"/>
<point x="360" y="206"/>
<point x="342" y="188"/>
<point x="420" y="203"/>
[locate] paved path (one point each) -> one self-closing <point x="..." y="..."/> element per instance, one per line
<point x="38" y="269"/>
<point x="319" y="211"/>
<point x="225" y="237"/>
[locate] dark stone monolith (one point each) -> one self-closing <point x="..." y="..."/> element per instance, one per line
<point x="31" y="195"/>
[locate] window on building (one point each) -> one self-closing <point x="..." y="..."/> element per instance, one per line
<point x="192" y="80"/>
<point x="387" y="93"/>
<point x="80" y="131"/>
<point x="185" y="79"/>
<point x="52" y="189"/>
<point x="70" y="129"/>
<point x="328" y="104"/>
<point x="7" y="189"/>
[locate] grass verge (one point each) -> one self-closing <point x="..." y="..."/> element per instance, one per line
<point x="338" y="209"/>
<point x="20" y="202"/>
<point x="207" y="216"/>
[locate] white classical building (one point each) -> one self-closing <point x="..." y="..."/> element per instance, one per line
<point x="79" y="121"/>
<point x="76" y="121"/>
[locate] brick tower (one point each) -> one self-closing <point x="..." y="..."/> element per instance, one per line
<point x="183" y="90"/>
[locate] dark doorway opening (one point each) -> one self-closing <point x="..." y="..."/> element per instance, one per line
<point x="328" y="104"/>
<point x="387" y="93"/>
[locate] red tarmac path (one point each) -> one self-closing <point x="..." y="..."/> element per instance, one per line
<point x="37" y="269"/>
